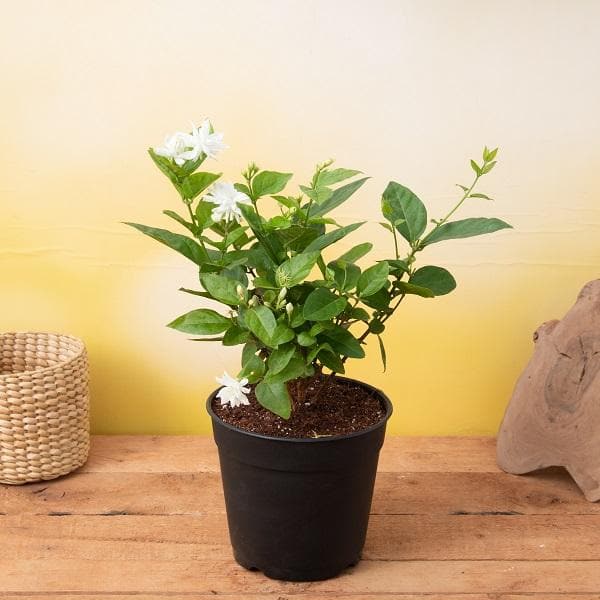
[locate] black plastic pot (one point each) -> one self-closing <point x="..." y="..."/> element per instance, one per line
<point x="298" y="509"/>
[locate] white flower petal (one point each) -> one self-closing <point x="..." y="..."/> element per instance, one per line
<point x="233" y="391"/>
<point x="227" y="199"/>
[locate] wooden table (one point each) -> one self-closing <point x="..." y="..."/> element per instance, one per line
<point x="145" y="519"/>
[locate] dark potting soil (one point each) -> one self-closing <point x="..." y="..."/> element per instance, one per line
<point x="341" y="407"/>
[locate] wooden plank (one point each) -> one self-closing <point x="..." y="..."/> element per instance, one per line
<point x="369" y="577"/>
<point x="190" y="454"/>
<point x="391" y="537"/>
<point x="552" y="493"/>
<point x="301" y="596"/>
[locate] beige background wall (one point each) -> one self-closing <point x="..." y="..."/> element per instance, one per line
<point x="406" y="90"/>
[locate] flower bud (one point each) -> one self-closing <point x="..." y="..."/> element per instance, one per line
<point x="282" y="294"/>
<point x="289" y="307"/>
<point x="253" y="301"/>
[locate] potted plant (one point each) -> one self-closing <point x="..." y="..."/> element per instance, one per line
<point x="298" y="444"/>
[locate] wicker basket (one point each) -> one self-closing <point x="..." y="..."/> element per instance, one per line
<point x="44" y="406"/>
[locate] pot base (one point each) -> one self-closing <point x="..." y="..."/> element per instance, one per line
<point x="293" y="575"/>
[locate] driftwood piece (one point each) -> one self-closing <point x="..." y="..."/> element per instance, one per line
<point x="553" y="418"/>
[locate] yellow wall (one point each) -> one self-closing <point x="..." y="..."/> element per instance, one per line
<point x="399" y="89"/>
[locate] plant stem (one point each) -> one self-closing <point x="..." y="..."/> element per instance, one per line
<point x="225" y="241"/>
<point x="395" y="242"/>
<point x="310" y="203"/>
<point x="465" y="196"/>
<point x="191" y="212"/>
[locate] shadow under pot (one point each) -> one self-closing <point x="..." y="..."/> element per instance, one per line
<point x="298" y="508"/>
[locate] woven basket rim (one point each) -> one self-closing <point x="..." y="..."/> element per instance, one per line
<point x="60" y="365"/>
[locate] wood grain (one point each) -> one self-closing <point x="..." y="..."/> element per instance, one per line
<point x="224" y="576"/>
<point x="390" y="537"/>
<point x="554" y="416"/>
<point x="126" y="526"/>
<point x="552" y="493"/>
<point x="192" y="454"/>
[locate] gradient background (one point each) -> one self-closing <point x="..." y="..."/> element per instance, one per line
<point x="408" y="90"/>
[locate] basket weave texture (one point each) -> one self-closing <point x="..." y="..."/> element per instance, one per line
<point x="44" y="406"/>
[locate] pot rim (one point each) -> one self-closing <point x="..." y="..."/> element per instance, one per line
<point x="331" y="438"/>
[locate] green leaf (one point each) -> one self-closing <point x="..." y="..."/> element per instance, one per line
<point x="279" y="358"/>
<point x="180" y="220"/>
<point x="332" y="237"/>
<point x="182" y="244"/>
<point x="287" y="201"/>
<point x="297" y="237"/>
<point x="383" y="353"/>
<point x="376" y="326"/>
<point x="195" y="184"/>
<point x="278" y="222"/>
<point x="282" y="335"/>
<point x="306" y="340"/>
<point x="483" y="196"/>
<point x="379" y="300"/>
<point x="373" y="279"/>
<point x="203" y="214"/>
<point x="333" y="176"/>
<point x="436" y="279"/>
<point x="253" y="367"/>
<point x="295" y="270"/>
<point x="201" y="321"/>
<point x="318" y="195"/>
<point x="403" y="209"/>
<point x="261" y="322"/>
<point x="235" y="335"/>
<point x="297" y="318"/>
<point x="475" y="167"/>
<point x="167" y="167"/>
<point x="294" y="369"/>
<point x="488" y="167"/>
<point x="269" y="242"/>
<point x="241" y="187"/>
<point x="345" y="274"/>
<point x="317" y="328"/>
<point x="359" y="313"/>
<point x="397" y="266"/>
<point x="267" y="183"/>
<point x="338" y="197"/>
<point x="223" y="289"/>
<point x="464" y="229"/>
<point x="343" y="342"/>
<point x="323" y="305"/>
<point x="417" y="290"/>
<point x="356" y="252"/>
<point x="491" y="154"/>
<point x="331" y="361"/>
<point x="274" y="397"/>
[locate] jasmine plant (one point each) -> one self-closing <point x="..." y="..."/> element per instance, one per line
<point x="267" y="256"/>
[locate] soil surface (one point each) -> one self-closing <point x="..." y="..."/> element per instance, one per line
<point x="341" y="407"/>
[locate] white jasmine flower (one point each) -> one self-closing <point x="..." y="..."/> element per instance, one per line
<point x="181" y="146"/>
<point x="233" y="391"/>
<point x="227" y="198"/>
<point x="209" y="143"/>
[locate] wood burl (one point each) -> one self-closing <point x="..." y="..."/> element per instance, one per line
<point x="553" y="418"/>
